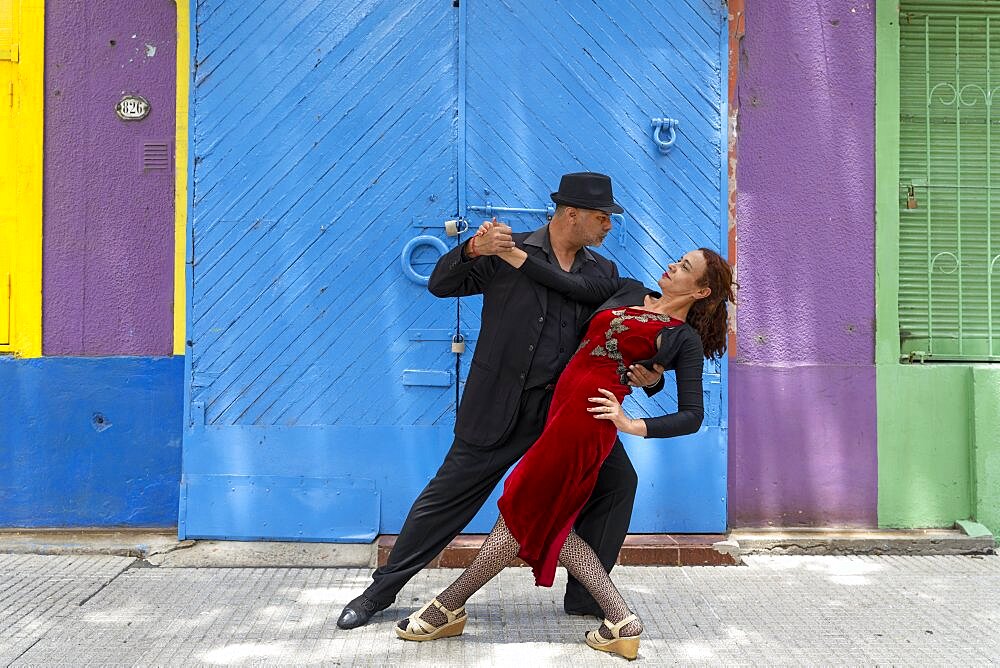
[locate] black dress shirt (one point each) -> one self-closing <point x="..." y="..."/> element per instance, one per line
<point x="560" y="337"/>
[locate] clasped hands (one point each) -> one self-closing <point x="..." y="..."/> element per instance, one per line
<point x="493" y="238"/>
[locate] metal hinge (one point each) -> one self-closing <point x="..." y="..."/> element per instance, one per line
<point x="11" y="53"/>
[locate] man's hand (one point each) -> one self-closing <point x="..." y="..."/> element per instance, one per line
<point x="494" y="238"/>
<point x="640" y="376"/>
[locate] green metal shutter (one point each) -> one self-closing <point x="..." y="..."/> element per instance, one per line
<point x="949" y="292"/>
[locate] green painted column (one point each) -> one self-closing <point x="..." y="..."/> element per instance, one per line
<point x="986" y="446"/>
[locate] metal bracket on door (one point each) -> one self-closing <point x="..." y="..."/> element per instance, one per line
<point x="549" y="211"/>
<point x="668" y="124"/>
<point x="489" y="209"/>
<point x="621" y="227"/>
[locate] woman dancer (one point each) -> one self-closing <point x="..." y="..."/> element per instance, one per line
<point x="545" y="492"/>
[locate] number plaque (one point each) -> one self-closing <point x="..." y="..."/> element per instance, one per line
<point x="132" y="108"/>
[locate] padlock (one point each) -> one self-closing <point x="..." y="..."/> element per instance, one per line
<point x="455" y="227"/>
<point x="911" y="198"/>
<point x="458" y="344"/>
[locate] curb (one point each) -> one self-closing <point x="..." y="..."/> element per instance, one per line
<point x="161" y="548"/>
<point x="638" y="550"/>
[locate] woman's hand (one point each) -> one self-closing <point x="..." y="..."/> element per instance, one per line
<point x="496" y="238"/>
<point x="609" y="408"/>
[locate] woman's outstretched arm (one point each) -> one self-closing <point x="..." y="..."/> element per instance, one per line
<point x="688" y="371"/>
<point x="592" y="290"/>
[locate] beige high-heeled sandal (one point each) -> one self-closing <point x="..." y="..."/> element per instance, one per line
<point x="419" y="630"/>
<point x="627" y="647"/>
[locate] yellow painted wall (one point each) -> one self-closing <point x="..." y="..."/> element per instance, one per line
<point x="21" y="115"/>
<point x="181" y="175"/>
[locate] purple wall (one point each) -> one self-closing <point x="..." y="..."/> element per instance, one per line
<point x="108" y="227"/>
<point x="802" y="401"/>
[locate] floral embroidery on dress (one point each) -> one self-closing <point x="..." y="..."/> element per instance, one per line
<point x="617" y="326"/>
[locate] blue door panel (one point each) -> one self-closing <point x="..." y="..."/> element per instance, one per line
<point x="574" y="87"/>
<point x="321" y="133"/>
<point x="380" y="467"/>
<point x="247" y="507"/>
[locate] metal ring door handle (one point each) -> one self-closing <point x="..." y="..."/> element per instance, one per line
<point x="406" y="259"/>
<point x="658" y="124"/>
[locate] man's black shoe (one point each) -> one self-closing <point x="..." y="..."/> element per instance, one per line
<point x="583" y="610"/>
<point x="359" y="611"/>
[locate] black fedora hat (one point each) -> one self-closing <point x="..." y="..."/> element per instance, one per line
<point x="587" y="190"/>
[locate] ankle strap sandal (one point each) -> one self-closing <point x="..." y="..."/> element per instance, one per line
<point x="419" y="629"/>
<point x="627" y="647"/>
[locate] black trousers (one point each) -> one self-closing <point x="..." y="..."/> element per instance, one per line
<point x="466" y="479"/>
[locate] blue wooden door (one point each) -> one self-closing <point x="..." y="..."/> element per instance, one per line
<point x="330" y="142"/>
<point x="572" y="86"/>
<point x="321" y="377"/>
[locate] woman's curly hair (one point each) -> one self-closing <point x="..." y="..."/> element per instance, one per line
<point x="710" y="316"/>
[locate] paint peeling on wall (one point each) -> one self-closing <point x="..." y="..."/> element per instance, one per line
<point x="737" y="29"/>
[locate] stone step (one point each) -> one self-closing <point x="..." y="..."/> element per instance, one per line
<point x="968" y="538"/>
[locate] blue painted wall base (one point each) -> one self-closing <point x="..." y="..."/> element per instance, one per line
<point x="90" y="442"/>
<point x="348" y="484"/>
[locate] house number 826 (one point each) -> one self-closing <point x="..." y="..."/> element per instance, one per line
<point x="132" y="108"/>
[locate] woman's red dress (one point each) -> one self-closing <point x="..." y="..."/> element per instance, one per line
<point x="550" y="485"/>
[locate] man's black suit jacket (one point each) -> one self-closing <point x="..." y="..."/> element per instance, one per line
<point x="514" y="309"/>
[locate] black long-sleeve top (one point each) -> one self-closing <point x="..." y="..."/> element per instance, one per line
<point x="679" y="348"/>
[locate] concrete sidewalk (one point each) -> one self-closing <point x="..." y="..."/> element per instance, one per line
<point x="790" y="610"/>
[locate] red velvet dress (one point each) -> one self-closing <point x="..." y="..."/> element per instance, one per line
<point x="550" y="485"/>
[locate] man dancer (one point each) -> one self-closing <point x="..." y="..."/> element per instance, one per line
<point x="528" y="335"/>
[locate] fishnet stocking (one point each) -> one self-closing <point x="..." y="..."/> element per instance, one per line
<point x="500" y="548"/>
<point x="582" y="563"/>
